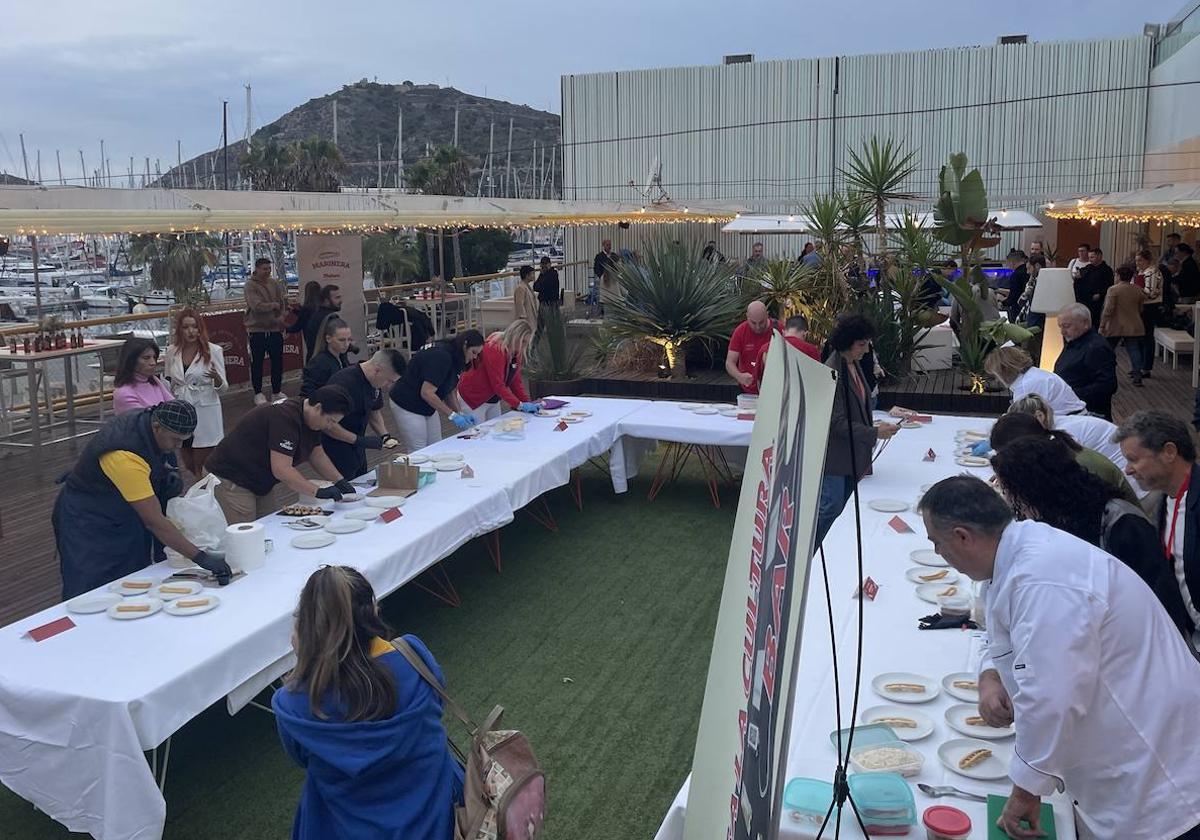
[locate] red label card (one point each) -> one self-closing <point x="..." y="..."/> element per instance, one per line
<point x="40" y="634"/>
<point x="466" y="472"/>
<point x="899" y="525"/>
<point x="870" y="589"/>
<point x="930" y="456"/>
<point x="390" y="515"/>
<point x="921" y="418"/>
<point x="561" y="427"/>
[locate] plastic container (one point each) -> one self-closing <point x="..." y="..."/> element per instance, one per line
<point x="945" y="823"/>
<point x="806" y="802"/>
<point x="887" y="757"/>
<point x="885" y="802"/>
<point x="747" y="402"/>
<point x="958" y="604"/>
<point x="865" y="735"/>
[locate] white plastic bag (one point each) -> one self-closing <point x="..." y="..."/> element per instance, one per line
<point x="198" y="517"/>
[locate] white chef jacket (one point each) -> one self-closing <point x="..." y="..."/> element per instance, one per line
<point x="1051" y="387"/>
<point x="1105" y="693"/>
<point x="1097" y="433"/>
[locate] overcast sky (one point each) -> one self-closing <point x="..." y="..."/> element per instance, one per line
<point x="141" y="75"/>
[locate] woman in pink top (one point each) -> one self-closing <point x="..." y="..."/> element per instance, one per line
<point x="136" y="386"/>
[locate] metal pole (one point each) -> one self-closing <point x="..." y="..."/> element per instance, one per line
<point x="82" y="169"/>
<point x="131" y="172"/>
<point x="24" y="158"/>
<point x="39" y="166"/>
<point x="379" y="165"/>
<point x="400" y="149"/>
<point x="335" y="122"/>
<point x="456" y="126"/>
<point x="442" y="262"/>
<point x="37" y="284"/>
<point x="58" y="158"/>
<point x="508" y="165"/>
<point x="491" y="151"/>
<point x="225" y="167"/>
<point x="178" y="164"/>
<point x="101" y="160"/>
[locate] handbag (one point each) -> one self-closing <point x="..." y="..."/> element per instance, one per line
<point x="504" y="788"/>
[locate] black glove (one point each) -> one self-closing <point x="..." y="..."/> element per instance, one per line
<point x="330" y="492"/>
<point x="214" y="561"/>
<point x="937" y="621"/>
<point x="345" y="487"/>
<point x="370" y="442"/>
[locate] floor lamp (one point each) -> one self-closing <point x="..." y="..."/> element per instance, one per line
<point x="1054" y="290"/>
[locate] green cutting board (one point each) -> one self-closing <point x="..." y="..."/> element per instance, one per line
<point x="996" y="805"/>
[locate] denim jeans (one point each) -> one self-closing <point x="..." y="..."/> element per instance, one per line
<point x="835" y="491"/>
<point x="1133" y="346"/>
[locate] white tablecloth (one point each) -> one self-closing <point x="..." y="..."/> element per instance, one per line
<point x="893" y="642"/>
<point x="666" y="421"/>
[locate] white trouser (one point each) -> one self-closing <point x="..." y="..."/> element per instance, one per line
<point x="489" y="411"/>
<point x="416" y="430"/>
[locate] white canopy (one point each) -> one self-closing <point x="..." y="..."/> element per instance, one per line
<point x="799" y="223"/>
<point x="1178" y="203"/>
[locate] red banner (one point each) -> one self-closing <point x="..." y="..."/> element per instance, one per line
<point x="228" y="329"/>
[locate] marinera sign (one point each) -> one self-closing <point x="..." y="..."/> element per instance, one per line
<point x="737" y="781"/>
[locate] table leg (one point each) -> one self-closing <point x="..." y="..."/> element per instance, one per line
<point x="492" y="541"/>
<point x="35" y="419"/>
<point x="577" y="488"/>
<point x="441" y="587"/>
<point x="69" y="384"/>
<point x="540" y="513"/>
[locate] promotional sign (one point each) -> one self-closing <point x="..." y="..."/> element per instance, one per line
<point x="336" y="259"/>
<point x="738" y="771"/>
<point x="228" y="329"/>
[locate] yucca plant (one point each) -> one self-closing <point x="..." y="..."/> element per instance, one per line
<point x="674" y="298"/>
<point x="785" y="286"/>
<point x="877" y="175"/>
<point x="552" y="359"/>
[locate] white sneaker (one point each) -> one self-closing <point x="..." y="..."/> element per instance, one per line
<point x="259" y="399"/>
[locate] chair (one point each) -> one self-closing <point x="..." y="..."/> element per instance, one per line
<point x="1173" y="343"/>
<point x="399" y="336"/>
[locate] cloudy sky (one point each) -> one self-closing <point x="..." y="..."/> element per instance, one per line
<point x="142" y="75"/>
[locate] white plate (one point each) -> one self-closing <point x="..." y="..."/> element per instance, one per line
<point x="93" y="602"/>
<point x="978" y="434"/>
<point x="449" y="466"/>
<point x="887" y="505"/>
<point x="580" y="412"/>
<point x="154" y="603"/>
<point x="119" y="587"/>
<point x="548" y="412"/>
<point x="345" y="526"/>
<point x="385" y="501"/>
<point x="192" y="586"/>
<point x="910" y="424"/>
<point x="931" y="688"/>
<point x="313" y="540"/>
<point x="173" y="608"/>
<point x="447" y="456"/>
<point x="689" y="406"/>
<point x="927" y="557"/>
<point x="729" y="412"/>
<point x="972" y="461"/>
<point x="957" y="716"/>
<point x="967" y="695"/>
<point x="568" y="418"/>
<point x="994" y="766"/>
<point x="416" y="459"/>
<point x="923" y="729"/>
<point x="705" y="410"/>
<point x="366" y="514"/>
<point x="914" y="574"/>
<point x="930" y="591"/>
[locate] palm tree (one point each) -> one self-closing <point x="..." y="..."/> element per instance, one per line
<point x="177" y="261"/>
<point x="391" y="258"/>
<point x="269" y="166"/>
<point x="446" y="172"/>
<point x="877" y="175"/>
<point x="319" y="166"/>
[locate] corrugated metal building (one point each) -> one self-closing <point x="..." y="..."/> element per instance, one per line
<point x="1039" y="119"/>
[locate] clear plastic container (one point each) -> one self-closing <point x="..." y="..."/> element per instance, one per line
<point x="806" y="802"/>
<point x="945" y="823"/>
<point x="885" y="802"/>
<point x="747" y="402"/>
<point x="958" y="604"/>
<point x="887" y="757"/>
<point x="865" y="735"/>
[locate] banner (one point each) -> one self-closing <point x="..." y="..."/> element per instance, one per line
<point x="738" y="770"/>
<point x="336" y="259"/>
<point x="228" y="329"/>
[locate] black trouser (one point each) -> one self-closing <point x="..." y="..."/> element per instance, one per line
<point x="1191" y="834"/>
<point x="262" y="344"/>
<point x="1150" y="313"/>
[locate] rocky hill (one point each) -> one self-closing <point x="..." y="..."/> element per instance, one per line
<point x="367" y="114"/>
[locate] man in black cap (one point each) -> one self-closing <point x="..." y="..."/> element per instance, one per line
<point x="109" y="518"/>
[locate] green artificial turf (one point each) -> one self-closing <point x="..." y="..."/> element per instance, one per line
<point x="595" y="639"/>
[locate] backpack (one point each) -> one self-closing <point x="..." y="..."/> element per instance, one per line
<point x="504" y="789"/>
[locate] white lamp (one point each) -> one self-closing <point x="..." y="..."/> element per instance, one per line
<point x="1054" y="290"/>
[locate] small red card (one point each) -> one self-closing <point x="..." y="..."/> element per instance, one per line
<point x="930" y="456"/>
<point x="561" y="427"/>
<point x="390" y="515"/>
<point x="40" y="634"/>
<point x="899" y="525"/>
<point x="870" y="589"/>
<point x="921" y="418"/>
<point x="466" y="472"/>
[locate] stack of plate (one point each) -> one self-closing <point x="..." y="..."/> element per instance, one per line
<point x="448" y="461"/>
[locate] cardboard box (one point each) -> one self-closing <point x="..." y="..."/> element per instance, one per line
<point x="396" y="480"/>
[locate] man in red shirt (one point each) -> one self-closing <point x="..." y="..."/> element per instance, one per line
<point x="750" y="337"/>
<point x="795" y="333"/>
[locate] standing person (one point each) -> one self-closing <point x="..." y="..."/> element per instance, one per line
<point x="1085" y="662"/>
<point x="1095" y="278"/>
<point x="604" y="264"/>
<point x="108" y="519"/>
<point x="329" y="302"/>
<point x="195" y="367"/>
<point x="302" y="314"/>
<point x="746" y="343"/>
<point x="1014" y="369"/>
<point x="135" y="384"/>
<point x="1031" y="319"/>
<point x="852" y="434"/>
<point x="362" y="723"/>
<point x="265" y="302"/>
<point x="1014" y="284"/>
<point x="1188" y="278"/>
<point x="265" y="448"/>
<point x="1087" y="363"/>
<point x="1121" y="320"/>
<point x="333" y="341"/>
<point x="811" y="256"/>
<point x="1079" y="262"/>
<point x="428" y="390"/>
<point x="795" y="333"/>
<point x="548" y="291"/>
<point x="366" y="383"/>
<point x="1150" y="281"/>
<point x="1170" y="243"/>
<point x="711" y="253"/>
<point x="493" y="383"/>
<point x="525" y="304"/>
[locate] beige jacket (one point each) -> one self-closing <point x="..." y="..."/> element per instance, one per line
<point x="265" y="304"/>
<point x="1122" y="314"/>
<point x="525" y="303"/>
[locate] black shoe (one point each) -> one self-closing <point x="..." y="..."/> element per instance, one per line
<point x="1145" y="374"/>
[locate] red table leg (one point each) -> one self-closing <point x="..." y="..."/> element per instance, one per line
<point x="441" y="587"/>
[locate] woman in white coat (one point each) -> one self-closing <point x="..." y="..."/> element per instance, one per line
<point x="195" y="368"/>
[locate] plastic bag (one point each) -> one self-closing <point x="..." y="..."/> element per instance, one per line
<point x="198" y="517"/>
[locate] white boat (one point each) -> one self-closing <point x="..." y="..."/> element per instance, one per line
<point x="152" y="299"/>
<point x="106" y="297"/>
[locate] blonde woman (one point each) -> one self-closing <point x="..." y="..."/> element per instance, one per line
<point x="1014" y="369"/>
<point x="494" y="381"/>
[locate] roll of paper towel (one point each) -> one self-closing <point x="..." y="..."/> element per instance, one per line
<point x="245" y="546"/>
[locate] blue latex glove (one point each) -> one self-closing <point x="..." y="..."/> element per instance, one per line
<point x="462" y="421"/>
<point x="982" y="448"/>
<point x="529" y="407"/>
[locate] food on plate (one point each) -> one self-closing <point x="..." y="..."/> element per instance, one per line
<point x="136" y="584"/>
<point x="894" y="722"/>
<point x="302" y="510"/>
<point x="966" y="685"/>
<point x="905" y="688"/>
<point x="197" y="602"/>
<point x="948" y="591"/>
<point x="975" y="720"/>
<point x="131" y="608"/>
<point x="175" y="590"/>
<point x="972" y="758"/>
<point x="883" y="758"/>
<point x="932" y="576"/>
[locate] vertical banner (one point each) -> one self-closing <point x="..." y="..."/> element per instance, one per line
<point x="737" y="781"/>
<point x="336" y="259"/>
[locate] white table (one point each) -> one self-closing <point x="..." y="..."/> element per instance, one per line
<point x="893" y="642"/>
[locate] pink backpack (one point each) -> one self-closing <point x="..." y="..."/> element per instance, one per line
<point x="504" y="789"/>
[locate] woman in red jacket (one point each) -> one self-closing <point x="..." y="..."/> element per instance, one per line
<point x="495" y="378"/>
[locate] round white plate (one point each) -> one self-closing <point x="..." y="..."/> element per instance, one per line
<point x="154" y="603"/>
<point x="689" y="406"/>
<point x="570" y="418"/>
<point x="192" y="586"/>
<point x="914" y="574"/>
<point x="930" y="591"/>
<point x="173" y="608"/>
<point x="580" y="412"/>
<point x="927" y="557"/>
<point x="345" y="526"/>
<point x="887" y="505"/>
<point x="923" y="728"/>
<point x="93" y="602"/>
<point x="416" y="459"/>
<point x="449" y="466"/>
<point x="447" y="456"/>
<point x="978" y="434"/>
<point x="385" y="501"/>
<point x="931" y="688"/>
<point x="967" y="695"/>
<point x="994" y="766"/>
<point x="366" y="514"/>
<point x="119" y="587"/>
<point x="548" y="412"/>
<point x="313" y="540"/>
<point x="729" y="412"/>
<point x="972" y="461"/>
<point x="910" y="424"/>
<point x="957" y="716"/>
<point x="705" y="410"/>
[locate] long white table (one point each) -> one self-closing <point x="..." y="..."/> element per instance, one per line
<point x="667" y="422"/>
<point x="892" y="640"/>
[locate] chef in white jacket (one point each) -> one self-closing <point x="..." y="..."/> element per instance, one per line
<point x="1104" y="693"/>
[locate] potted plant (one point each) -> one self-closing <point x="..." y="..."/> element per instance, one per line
<point x="555" y="368"/>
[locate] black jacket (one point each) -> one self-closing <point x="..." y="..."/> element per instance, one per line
<point x="420" y="326"/>
<point x="604" y="263"/>
<point x="1093" y="282"/>
<point x="860" y="434"/>
<point x="1132" y="538"/>
<point x="1189" y="277"/>
<point x="320" y="368"/>
<point x="1189" y="520"/>
<point x="547" y="287"/>
<point x="1089" y="365"/>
